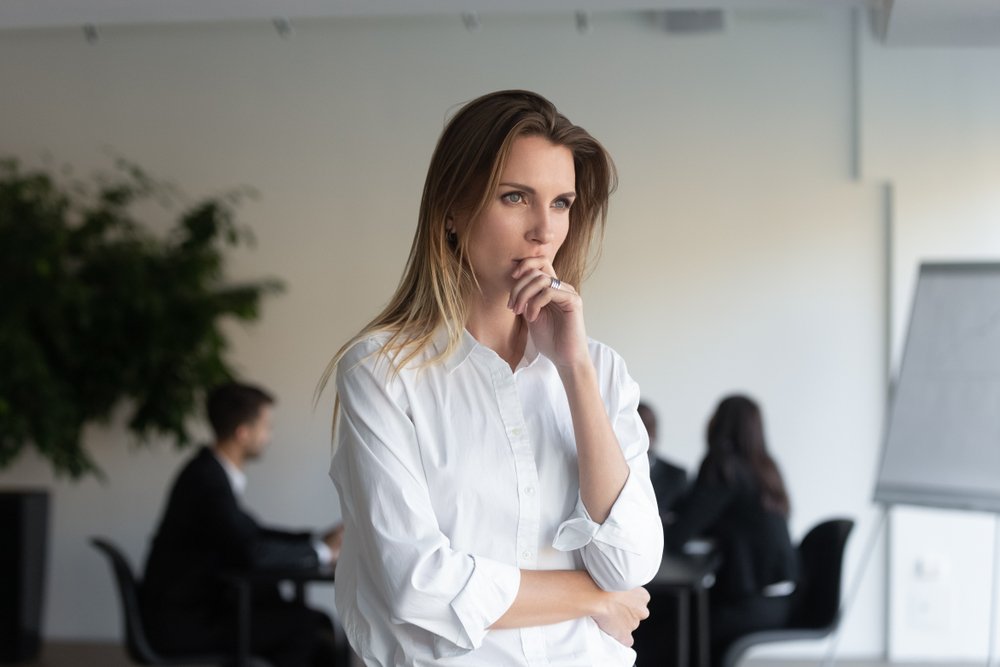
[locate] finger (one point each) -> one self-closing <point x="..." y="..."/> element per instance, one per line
<point x="533" y="307"/>
<point x="534" y="281"/>
<point x="543" y="264"/>
<point x="531" y="288"/>
<point x="558" y="297"/>
<point x="538" y="289"/>
<point x="564" y="301"/>
<point x="537" y="274"/>
<point x="522" y="277"/>
<point x="564" y="297"/>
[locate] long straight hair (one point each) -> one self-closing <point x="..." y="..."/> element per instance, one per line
<point x="463" y="177"/>
<point x="736" y="446"/>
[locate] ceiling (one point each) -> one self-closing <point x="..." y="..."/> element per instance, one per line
<point x="951" y="23"/>
<point x="956" y="23"/>
<point x="45" y="13"/>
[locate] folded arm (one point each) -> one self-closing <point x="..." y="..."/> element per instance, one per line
<point x="616" y="522"/>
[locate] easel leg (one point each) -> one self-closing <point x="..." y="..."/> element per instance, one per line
<point x="830" y="658"/>
<point x="993" y="593"/>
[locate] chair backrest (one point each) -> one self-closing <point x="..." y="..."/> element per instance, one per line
<point x="821" y="555"/>
<point x="136" y="643"/>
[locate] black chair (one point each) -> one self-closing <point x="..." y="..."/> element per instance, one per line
<point x="136" y="643"/>
<point x="816" y="601"/>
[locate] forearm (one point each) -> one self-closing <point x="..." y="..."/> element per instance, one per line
<point x="552" y="596"/>
<point x="283" y="553"/>
<point x="602" y="466"/>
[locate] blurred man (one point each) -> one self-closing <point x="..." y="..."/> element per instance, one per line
<point x="656" y="643"/>
<point x="205" y="532"/>
<point x="669" y="481"/>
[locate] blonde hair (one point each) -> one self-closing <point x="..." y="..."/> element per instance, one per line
<point x="463" y="176"/>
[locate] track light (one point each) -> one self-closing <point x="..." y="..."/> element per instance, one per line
<point x="283" y="27"/>
<point x="471" y="21"/>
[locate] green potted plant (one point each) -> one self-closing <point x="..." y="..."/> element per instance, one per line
<point x="99" y="311"/>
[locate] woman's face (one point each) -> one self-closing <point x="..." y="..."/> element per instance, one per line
<point x="527" y="217"/>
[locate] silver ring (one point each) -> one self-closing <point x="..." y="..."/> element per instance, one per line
<point x="555" y="284"/>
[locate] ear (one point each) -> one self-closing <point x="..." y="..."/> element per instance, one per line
<point x="458" y="223"/>
<point x="241" y="433"/>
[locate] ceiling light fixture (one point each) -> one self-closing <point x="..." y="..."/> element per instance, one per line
<point x="471" y="21"/>
<point x="283" y="27"/>
<point x="90" y="33"/>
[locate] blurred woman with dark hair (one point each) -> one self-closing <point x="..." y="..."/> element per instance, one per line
<point x="739" y="502"/>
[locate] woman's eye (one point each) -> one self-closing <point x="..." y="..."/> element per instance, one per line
<point x="513" y="197"/>
<point x="562" y="203"/>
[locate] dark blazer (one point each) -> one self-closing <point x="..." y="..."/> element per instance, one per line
<point x="754" y="542"/>
<point x="204" y="532"/>
<point x="670" y="483"/>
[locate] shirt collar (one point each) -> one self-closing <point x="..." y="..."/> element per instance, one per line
<point x="237" y="479"/>
<point x="530" y="353"/>
<point x="468" y="344"/>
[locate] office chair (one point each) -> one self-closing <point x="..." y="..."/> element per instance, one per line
<point x="136" y="643"/>
<point x="816" y="600"/>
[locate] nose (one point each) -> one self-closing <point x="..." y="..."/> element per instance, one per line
<point x="542" y="227"/>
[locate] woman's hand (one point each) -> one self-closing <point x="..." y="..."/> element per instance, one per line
<point x="622" y="614"/>
<point x="554" y="316"/>
<point x="334" y="540"/>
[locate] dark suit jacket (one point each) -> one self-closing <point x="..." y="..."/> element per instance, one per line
<point x="670" y="482"/>
<point x="754" y="542"/>
<point x="204" y="532"/>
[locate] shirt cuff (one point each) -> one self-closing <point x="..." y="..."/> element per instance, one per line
<point x="487" y="595"/>
<point x="619" y="530"/>
<point x="323" y="552"/>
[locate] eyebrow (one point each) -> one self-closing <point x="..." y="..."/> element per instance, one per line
<point x="531" y="191"/>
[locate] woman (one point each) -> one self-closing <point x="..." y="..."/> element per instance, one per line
<point x="739" y="501"/>
<point x="489" y="459"/>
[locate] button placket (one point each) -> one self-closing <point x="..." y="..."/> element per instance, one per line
<point x="525" y="471"/>
<point x="529" y="510"/>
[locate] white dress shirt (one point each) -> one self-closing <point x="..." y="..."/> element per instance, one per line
<point x="237" y="478"/>
<point x="454" y="477"/>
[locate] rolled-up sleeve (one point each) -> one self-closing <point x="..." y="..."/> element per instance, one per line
<point x="625" y="550"/>
<point x="387" y="508"/>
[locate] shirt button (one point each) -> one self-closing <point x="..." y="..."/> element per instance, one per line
<point x="525" y="555"/>
<point x="517" y="432"/>
<point x="529" y="490"/>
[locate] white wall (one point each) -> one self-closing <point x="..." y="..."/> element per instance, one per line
<point x="739" y="254"/>
<point x="932" y="128"/>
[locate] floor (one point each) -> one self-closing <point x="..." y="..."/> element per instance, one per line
<point x="80" y="654"/>
<point x="74" y="654"/>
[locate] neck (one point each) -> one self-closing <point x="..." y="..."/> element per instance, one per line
<point x="494" y="325"/>
<point x="229" y="450"/>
